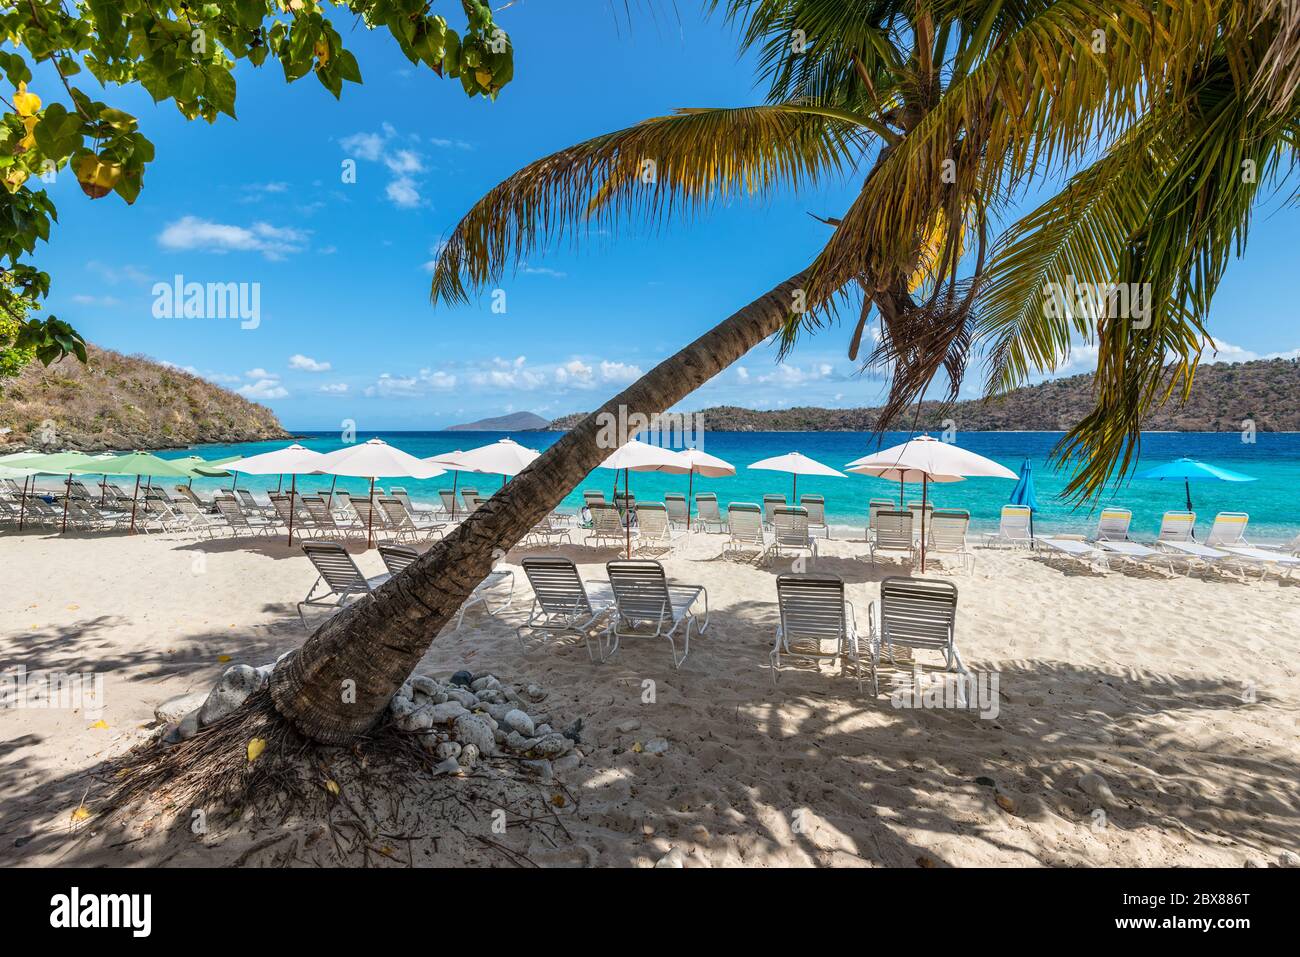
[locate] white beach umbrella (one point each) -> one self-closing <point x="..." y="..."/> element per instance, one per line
<point x="926" y="459"/>
<point x="372" y="459"/>
<point x="294" y="459"/>
<point x="710" y="466"/>
<point x="503" y="457"/>
<point x="638" y="456"/>
<point x="796" y="464"/>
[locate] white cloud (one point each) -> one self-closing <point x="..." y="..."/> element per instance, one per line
<point x="260" y="373"/>
<point x="404" y="163"/>
<point x="262" y="390"/>
<point x="509" y="374"/>
<point x="428" y="380"/>
<point x="1226" y="352"/>
<point x="528" y="270"/>
<point x="742" y="373"/>
<point x="450" y="144"/>
<point x="788" y="375"/>
<point x="577" y="373"/>
<point x="403" y="192"/>
<point x="619" y="372"/>
<point x="273" y="242"/>
<point x="103" y="302"/>
<point x="334" y="388"/>
<point x="116" y="274"/>
<point x="307" y="364"/>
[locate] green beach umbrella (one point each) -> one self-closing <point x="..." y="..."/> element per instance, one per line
<point x="137" y="464"/>
<point x="52" y="463"/>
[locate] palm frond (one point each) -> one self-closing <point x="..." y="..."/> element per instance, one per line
<point x="663" y="166"/>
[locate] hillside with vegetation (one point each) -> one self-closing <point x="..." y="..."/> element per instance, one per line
<point x="1266" y="391"/>
<point x="116" y="401"/>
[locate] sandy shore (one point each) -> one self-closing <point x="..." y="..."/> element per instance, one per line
<point x="1181" y="693"/>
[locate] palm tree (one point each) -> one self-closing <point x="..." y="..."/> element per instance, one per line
<point x="951" y="107"/>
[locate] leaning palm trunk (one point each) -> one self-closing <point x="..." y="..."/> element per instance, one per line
<point x="339" y="683"/>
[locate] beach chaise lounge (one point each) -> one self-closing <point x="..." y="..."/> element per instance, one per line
<point x="1229" y="528"/>
<point x="1193" y="554"/>
<point x="643" y="597"/>
<point x="770" y="503"/>
<point x="467" y="493"/>
<point x="1112" y="524"/>
<point x="874" y="508"/>
<point x="606" y="526"/>
<point x="745" y="531"/>
<point x="790" y="531"/>
<point x="893" y="534"/>
<point x="1263" y="559"/>
<point x="398" y="557"/>
<point x="675" y="503"/>
<point x="817" y="624"/>
<point x="563" y="603"/>
<point x="919" y="523"/>
<point x="918" y="613"/>
<point x="323" y="519"/>
<point x="707" y="515"/>
<point x="195" y="520"/>
<point x="1013" y="527"/>
<point x="815" y="505"/>
<point x="1073" y="547"/>
<point x="402" y="523"/>
<point x="546" y="532"/>
<point x="239" y="521"/>
<point x="1176" y="527"/>
<point x="448" y="499"/>
<point x="654" y="529"/>
<point x="340" y="576"/>
<point x="592" y="495"/>
<point x="1135" y="552"/>
<point x="948" y="530"/>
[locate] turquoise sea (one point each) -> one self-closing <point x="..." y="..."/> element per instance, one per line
<point x="1273" y="501"/>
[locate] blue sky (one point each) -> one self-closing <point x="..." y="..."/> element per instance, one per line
<point x="346" y="330"/>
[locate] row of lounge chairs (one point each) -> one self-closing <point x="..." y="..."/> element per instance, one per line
<point x="817" y="623"/>
<point x="1225" y="549"/>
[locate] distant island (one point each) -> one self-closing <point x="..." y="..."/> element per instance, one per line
<point x="119" y="402"/>
<point x="1265" y="391"/>
<point x="514" y="422"/>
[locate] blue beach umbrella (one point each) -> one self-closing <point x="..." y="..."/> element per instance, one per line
<point x="1023" y="493"/>
<point x="1187" y="470"/>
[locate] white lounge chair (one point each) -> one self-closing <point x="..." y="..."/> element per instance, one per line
<point x="339" y="574"/>
<point x="919" y="613"/>
<point x="874" y="508"/>
<point x="606" y="525"/>
<point x="1112" y="524"/>
<point x="1013" y="527"/>
<point x="642" y="596"/>
<point x="1135" y="552"/>
<point x="1193" y="554"/>
<point x="745" y="531"/>
<point x="1263" y="559"/>
<point x="790" y="531"/>
<point x="547" y="533"/>
<point x="948" y="537"/>
<point x="397" y="557"/>
<point x="239" y="521"/>
<point x="563" y="603"/>
<point x="654" y="529"/>
<point x="893" y="534"/>
<point x="817" y="624"/>
<point x="1229" y="529"/>
<point x="815" y="505"/>
<point x="675" y="503"/>
<point x="1075" y="549"/>
<point x="770" y="503"/>
<point x="1177" y="527"/>
<point x="707" y="515"/>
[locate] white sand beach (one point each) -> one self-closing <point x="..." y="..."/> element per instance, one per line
<point x="1181" y="693"/>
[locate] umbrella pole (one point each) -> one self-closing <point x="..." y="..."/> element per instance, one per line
<point x="67" y="493"/>
<point x="1187" y="486"/>
<point x="690" y="487"/>
<point x="234" y="481"/>
<point x="293" y="486"/>
<point x="455" y="477"/>
<point x="900" y="492"/>
<point x="22" y="503"/>
<point x="103" y="489"/>
<point x="794" y="489"/>
<point x="924" y="488"/>
<point x="370" y="518"/>
<point x="134" y="495"/>
<point x="332" y="484"/>
<point x="627" y="512"/>
<point x="279" y="485"/>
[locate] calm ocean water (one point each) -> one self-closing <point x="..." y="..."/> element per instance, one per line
<point x="1272" y="501"/>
